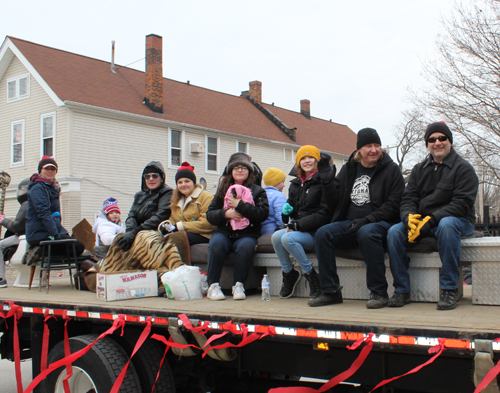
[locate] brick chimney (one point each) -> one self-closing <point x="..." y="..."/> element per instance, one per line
<point x="305" y="108"/>
<point x="154" y="73"/>
<point x="256" y="91"/>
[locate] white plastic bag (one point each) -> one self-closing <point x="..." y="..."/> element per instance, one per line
<point x="183" y="283"/>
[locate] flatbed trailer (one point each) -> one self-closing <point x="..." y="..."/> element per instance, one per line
<point x="302" y="341"/>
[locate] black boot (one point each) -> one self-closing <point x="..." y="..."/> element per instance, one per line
<point x="313" y="280"/>
<point x="448" y="299"/>
<point x="290" y="280"/>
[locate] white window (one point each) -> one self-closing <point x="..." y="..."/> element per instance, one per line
<point x="212" y="154"/>
<point x="176" y="143"/>
<point x="242" y="147"/>
<point x="18" y="88"/>
<point x="48" y="130"/>
<point x="289" y="155"/>
<point x="17" y="152"/>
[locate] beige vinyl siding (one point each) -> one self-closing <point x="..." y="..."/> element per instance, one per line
<point x="110" y="156"/>
<point x="29" y="109"/>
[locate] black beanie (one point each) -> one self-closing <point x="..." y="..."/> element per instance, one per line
<point x="367" y="136"/>
<point x="439" y="126"/>
<point x="46" y="160"/>
<point x="186" y="170"/>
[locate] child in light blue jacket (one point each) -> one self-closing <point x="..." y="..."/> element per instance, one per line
<point x="274" y="179"/>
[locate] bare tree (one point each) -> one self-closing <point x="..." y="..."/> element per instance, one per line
<point x="410" y="147"/>
<point x="465" y="80"/>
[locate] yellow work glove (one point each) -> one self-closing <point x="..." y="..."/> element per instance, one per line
<point x="422" y="229"/>
<point x="413" y="221"/>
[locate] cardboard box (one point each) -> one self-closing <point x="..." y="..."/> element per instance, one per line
<point x="127" y="285"/>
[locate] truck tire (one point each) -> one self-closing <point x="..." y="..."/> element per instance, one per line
<point x="146" y="362"/>
<point x="94" y="372"/>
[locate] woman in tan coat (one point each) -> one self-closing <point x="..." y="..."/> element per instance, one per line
<point x="189" y="205"/>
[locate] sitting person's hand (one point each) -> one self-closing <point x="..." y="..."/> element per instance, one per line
<point x="166" y="228"/>
<point x="232" y="201"/>
<point x="233" y="214"/>
<point x="355" y="225"/>
<point x="2" y="216"/>
<point x="125" y="242"/>
<point x="293" y="226"/>
<point x="287" y="209"/>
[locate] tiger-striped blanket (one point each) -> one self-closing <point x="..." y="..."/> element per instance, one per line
<point x="150" y="251"/>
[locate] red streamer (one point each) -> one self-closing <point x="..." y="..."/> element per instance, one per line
<point x="16" y="312"/>
<point x="161" y="364"/>
<point x="144" y="335"/>
<point x="117" y="323"/>
<point x="67" y="352"/>
<point x="342" y="376"/>
<point x="45" y="340"/>
<point x="438" y="348"/>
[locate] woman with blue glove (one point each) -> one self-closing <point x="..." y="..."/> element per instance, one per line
<point x="305" y="211"/>
<point x="43" y="217"/>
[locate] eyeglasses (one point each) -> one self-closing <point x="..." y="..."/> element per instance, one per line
<point x="240" y="168"/>
<point x="153" y="176"/>
<point x="441" y="138"/>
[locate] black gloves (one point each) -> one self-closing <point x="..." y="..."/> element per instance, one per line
<point x="325" y="170"/>
<point x="293" y="226"/>
<point x="125" y="242"/>
<point x="355" y="226"/>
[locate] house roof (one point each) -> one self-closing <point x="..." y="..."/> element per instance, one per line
<point x="89" y="81"/>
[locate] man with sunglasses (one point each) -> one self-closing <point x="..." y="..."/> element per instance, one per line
<point x="438" y="202"/>
<point x="151" y="205"/>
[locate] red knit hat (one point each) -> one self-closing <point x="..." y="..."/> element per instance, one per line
<point x="110" y="205"/>
<point x="186" y="170"/>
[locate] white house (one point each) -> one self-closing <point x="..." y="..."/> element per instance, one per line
<point x="103" y="123"/>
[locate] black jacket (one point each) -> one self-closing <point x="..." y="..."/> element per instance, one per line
<point x="150" y="207"/>
<point x="18" y="225"/>
<point x="310" y="209"/>
<point x="441" y="190"/>
<point x="256" y="214"/>
<point x="386" y="186"/>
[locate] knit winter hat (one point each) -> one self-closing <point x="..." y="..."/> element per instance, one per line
<point x="239" y="159"/>
<point x="307" y="150"/>
<point x="186" y="170"/>
<point x="439" y="126"/>
<point x="45" y="162"/>
<point x="110" y="205"/>
<point x="367" y="136"/>
<point x="273" y="176"/>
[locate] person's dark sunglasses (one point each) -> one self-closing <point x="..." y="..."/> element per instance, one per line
<point x="441" y="138"/>
<point x="153" y="176"/>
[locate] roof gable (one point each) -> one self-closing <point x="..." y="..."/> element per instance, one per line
<point x="70" y="77"/>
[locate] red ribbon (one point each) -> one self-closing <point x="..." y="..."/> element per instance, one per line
<point x="117" y="323"/>
<point x="438" y="348"/>
<point x="144" y="335"/>
<point x="45" y="340"/>
<point x="16" y="312"/>
<point x="342" y="376"/>
<point x="161" y="364"/>
<point x="67" y="352"/>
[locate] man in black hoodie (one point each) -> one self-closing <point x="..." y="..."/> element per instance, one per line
<point x="151" y="205"/>
<point x="365" y="198"/>
<point x="438" y="202"/>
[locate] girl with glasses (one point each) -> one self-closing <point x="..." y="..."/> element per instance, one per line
<point x="238" y="218"/>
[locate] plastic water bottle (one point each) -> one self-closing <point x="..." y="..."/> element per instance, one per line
<point x="266" y="295"/>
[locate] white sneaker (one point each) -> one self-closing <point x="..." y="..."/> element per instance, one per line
<point x="239" y="291"/>
<point x="215" y="292"/>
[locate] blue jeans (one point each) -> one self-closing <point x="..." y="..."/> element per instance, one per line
<point x="448" y="234"/>
<point x="371" y="239"/>
<point x="220" y="245"/>
<point x="294" y="243"/>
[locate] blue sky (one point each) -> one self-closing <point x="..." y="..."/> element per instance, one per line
<point x="353" y="59"/>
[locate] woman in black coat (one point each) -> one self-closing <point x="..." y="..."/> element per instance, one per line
<point x="151" y="205"/>
<point x="242" y="240"/>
